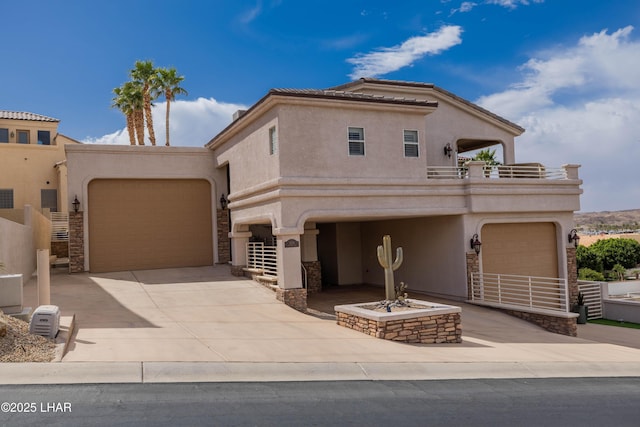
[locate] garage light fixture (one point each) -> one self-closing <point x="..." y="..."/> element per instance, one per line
<point x="223" y="201"/>
<point x="76" y="204"/>
<point x="475" y="244"/>
<point x="448" y="150"/>
<point x="573" y="237"/>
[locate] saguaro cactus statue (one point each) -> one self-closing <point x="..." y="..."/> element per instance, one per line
<point x="390" y="265"/>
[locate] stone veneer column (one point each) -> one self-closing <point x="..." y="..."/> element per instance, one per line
<point x="572" y="276"/>
<point x="473" y="266"/>
<point x="314" y="276"/>
<point x="76" y="242"/>
<point x="224" y="245"/>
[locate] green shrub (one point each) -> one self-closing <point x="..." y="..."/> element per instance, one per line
<point x="590" y="275"/>
<point x="625" y="252"/>
<point x="588" y="258"/>
<point x="619" y="271"/>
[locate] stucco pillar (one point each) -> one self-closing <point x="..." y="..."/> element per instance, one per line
<point x="290" y="290"/>
<point x="239" y="240"/>
<point x="476" y="169"/>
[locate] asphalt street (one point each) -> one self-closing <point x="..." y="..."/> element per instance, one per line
<point x="521" y="402"/>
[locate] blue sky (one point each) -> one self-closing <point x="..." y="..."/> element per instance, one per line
<point x="566" y="70"/>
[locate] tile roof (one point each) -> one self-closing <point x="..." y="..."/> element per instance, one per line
<point x="23" y="115"/>
<point x="339" y="94"/>
<point x="349" y="85"/>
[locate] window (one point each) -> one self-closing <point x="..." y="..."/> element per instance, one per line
<point x="4" y="135"/>
<point x="356" y="141"/>
<point x="49" y="199"/>
<point x="273" y="140"/>
<point x="23" y="136"/>
<point x="6" y="198"/>
<point x="411" y="143"/>
<point x="44" y="137"/>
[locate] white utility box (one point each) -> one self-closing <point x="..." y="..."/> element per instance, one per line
<point x="45" y="321"/>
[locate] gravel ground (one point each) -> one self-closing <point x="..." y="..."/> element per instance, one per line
<point x="18" y="345"/>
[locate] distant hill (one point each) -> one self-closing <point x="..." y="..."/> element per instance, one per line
<point x="606" y="219"/>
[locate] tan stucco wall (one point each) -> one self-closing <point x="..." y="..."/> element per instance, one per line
<point x="20" y="240"/>
<point x="314" y="142"/>
<point x="451" y="122"/>
<point x="432" y="250"/>
<point x="27" y="169"/>
<point x="250" y="162"/>
<point x="88" y="162"/>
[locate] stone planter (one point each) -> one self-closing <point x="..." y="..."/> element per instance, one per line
<point x="433" y="324"/>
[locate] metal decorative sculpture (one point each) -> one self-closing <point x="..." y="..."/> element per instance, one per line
<point x="390" y="265"/>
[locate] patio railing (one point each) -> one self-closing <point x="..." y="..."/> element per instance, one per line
<point x="511" y="291"/>
<point x="263" y="258"/>
<point x="532" y="171"/>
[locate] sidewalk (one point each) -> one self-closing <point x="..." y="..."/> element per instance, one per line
<point x="202" y="324"/>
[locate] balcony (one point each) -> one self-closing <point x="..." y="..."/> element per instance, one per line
<point x="517" y="171"/>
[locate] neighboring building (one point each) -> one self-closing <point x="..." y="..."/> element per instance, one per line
<point x="32" y="170"/>
<point x="326" y="173"/>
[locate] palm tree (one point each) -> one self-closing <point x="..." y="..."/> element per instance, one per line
<point x="129" y="100"/>
<point x="145" y="73"/>
<point x="489" y="157"/>
<point x="123" y="102"/>
<point x="168" y="83"/>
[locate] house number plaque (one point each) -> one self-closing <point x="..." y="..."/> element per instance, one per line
<point x="291" y="243"/>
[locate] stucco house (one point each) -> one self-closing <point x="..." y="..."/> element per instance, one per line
<point x="33" y="183"/>
<point x="311" y="181"/>
<point x="32" y="162"/>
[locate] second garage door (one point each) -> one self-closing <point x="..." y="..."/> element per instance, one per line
<point x="137" y="224"/>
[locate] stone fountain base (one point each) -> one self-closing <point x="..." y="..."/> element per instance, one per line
<point x="421" y="322"/>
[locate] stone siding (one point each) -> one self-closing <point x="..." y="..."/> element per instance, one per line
<point x="60" y="249"/>
<point x="572" y="276"/>
<point x="224" y="243"/>
<point x="473" y="266"/>
<point x="295" y="298"/>
<point x="314" y="276"/>
<point x="76" y="242"/>
<point x="238" y="270"/>
<point x="559" y="325"/>
<point x="435" y="329"/>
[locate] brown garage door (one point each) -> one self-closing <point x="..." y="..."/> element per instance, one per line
<point x="137" y="224"/>
<point x="522" y="249"/>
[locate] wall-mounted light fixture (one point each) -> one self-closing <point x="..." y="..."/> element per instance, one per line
<point x="13" y="134"/>
<point x="76" y="204"/>
<point x="448" y="150"/>
<point x="574" y="238"/>
<point x="223" y="201"/>
<point x="475" y="244"/>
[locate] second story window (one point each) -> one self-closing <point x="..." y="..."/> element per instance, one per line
<point x="4" y="135"/>
<point x="273" y="140"/>
<point x="6" y="198"/>
<point x="356" y="141"/>
<point x="23" y="136"/>
<point x="411" y="143"/>
<point x="44" y="137"/>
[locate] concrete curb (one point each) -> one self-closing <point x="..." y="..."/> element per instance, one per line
<point x="187" y="372"/>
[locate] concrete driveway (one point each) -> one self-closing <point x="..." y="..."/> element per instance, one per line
<point x="205" y="314"/>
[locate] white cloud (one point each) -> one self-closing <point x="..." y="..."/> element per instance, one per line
<point x="252" y="13"/>
<point x="192" y="123"/>
<point x="388" y="59"/>
<point x="466" y="6"/>
<point x="581" y="104"/>
<point x="512" y="4"/>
